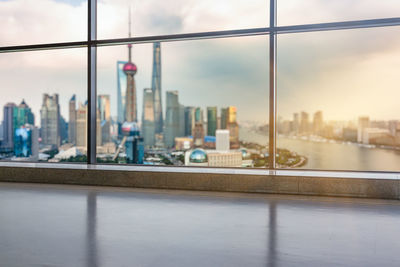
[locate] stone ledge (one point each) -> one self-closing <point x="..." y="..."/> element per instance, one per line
<point x="284" y="184"/>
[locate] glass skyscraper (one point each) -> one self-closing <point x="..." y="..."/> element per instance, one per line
<point x="156" y="86"/>
<point x="172" y="118"/>
<point x="148" y="126"/>
<point x="211" y="120"/>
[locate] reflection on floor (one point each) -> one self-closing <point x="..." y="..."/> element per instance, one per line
<point x="56" y="225"/>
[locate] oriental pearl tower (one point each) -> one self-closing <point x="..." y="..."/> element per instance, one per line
<point x="130" y="70"/>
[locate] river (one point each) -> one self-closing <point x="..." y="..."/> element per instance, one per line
<point x="333" y="156"/>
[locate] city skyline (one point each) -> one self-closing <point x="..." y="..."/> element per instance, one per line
<point x="221" y="61"/>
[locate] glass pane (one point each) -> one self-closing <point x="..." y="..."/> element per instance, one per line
<point x="42" y="21"/>
<point x="338" y="97"/>
<point x="38" y="92"/>
<point x="155" y="17"/>
<point x="197" y="103"/>
<point x="291" y="12"/>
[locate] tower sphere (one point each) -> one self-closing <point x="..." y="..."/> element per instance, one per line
<point x="130" y="68"/>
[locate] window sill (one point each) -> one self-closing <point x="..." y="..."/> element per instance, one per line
<point x="326" y="183"/>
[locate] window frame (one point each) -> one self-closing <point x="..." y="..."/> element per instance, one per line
<point x="272" y="31"/>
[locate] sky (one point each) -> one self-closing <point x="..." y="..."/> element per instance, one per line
<point x="344" y="73"/>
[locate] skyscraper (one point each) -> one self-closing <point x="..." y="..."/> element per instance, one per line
<point x="22" y="115"/>
<point x="189" y="121"/>
<point x="26" y="142"/>
<point x="8" y="126"/>
<point x="81" y="126"/>
<point x="156" y="86"/>
<point x="233" y="127"/>
<point x="148" y="123"/>
<point x="72" y="120"/>
<point x="130" y="70"/>
<point x="224" y="118"/>
<point x="50" y="120"/>
<point x="198" y="115"/>
<point x="104" y="107"/>
<point x="105" y="117"/>
<point x="121" y="94"/>
<point x="211" y="120"/>
<point x="172" y="118"/>
<point x="198" y="129"/>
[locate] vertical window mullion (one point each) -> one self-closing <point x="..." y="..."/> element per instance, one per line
<point x="92" y="77"/>
<point x="272" y="86"/>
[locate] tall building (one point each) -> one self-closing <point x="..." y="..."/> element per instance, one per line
<point x="198" y="115"/>
<point x="130" y="70"/>
<point x="104" y="107"/>
<point x="224" y="118"/>
<point x="233" y="127"/>
<point x="304" y="123"/>
<point x="318" y="123"/>
<point x="22" y="115"/>
<point x="72" y="120"/>
<point x="8" y="126"/>
<point x="363" y="123"/>
<point x="26" y="142"/>
<point x="121" y="94"/>
<point x="231" y="114"/>
<point x="50" y="120"/>
<point x="148" y="121"/>
<point x="189" y="121"/>
<point x="81" y="126"/>
<point x="156" y="86"/>
<point x="63" y="130"/>
<point x="181" y="131"/>
<point x="222" y="142"/>
<point x="198" y="129"/>
<point x="105" y="117"/>
<point x="211" y="120"/>
<point x="172" y="118"/>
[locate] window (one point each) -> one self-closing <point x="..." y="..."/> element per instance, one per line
<point x="202" y="83"/>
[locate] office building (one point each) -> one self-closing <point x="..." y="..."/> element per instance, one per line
<point x="72" y="120"/>
<point x="211" y="120"/>
<point x="104" y="111"/>
<point x="26" y="142"/>
<point x="8" y="126"/>
<point x="156" y="87"/>
<point x="81" y="127"/>
<point x="189" y="120"/>
<point x="224" y="118"/>
<point x="50" y="120"/>
<point x="222" y="141"/>
<point x="172" y="118"/>
<point x="148" y="123"/>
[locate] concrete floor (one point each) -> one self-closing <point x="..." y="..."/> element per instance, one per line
<point x="56" y="225"/>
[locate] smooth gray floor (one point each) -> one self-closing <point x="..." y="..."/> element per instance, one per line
<point x="56" y="225"/>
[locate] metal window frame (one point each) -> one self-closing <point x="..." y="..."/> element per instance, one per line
<point x="273" y="31"/>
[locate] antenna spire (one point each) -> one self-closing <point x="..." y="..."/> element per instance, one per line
<point x="130" y="35"/>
